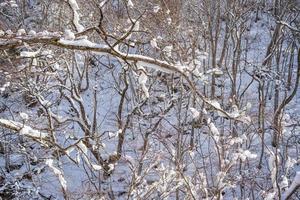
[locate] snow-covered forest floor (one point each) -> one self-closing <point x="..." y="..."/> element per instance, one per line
<point x="125" y="99"/>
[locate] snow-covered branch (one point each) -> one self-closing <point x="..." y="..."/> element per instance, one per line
<point x="86" y="45"/>
<point x="22" y="129"/>
<point x="58" y="173"/>
<point x="74" y="6"/>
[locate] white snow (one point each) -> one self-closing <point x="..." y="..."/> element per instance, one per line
<point x="168" y="50"/>
<point x="213" y="129"/>
<point x="111" y="167"/>
<point x="248" y="106"/>
<point x="201" y="55"/>
<point x="48" y="53"/>
<point x="143" y="81"/>
<point x="13" y="4"/>
<point x="153" y="43"/>
<point x="82" y="146"/>
<point x="130" y="4"/>
<point x="156" y="8"/>
<point x="103" y="3"/>
<point x="74" y="4"/>
<point x="28" y="54"/>
<point x="84" y="150"/>
<point x="250" y="155"/>
<point x="284" y="183"/>
<point x="96" y="167"/>
<point x="153" y="66"/>
<point x="215" y="103"/>
<point x="3" y="4"/>
<point x="244" y="119"/>
<point x="28" y="131"/>
<point x="169" y="20"/>
<point x="136" y="27"/>
<point x="141" y="60"/>
<point x="270" y="196"/>
<point x="32" y="33"/>
<point x="81" y="43"/>
<point x="273" y="168"/>
<point x="215" y="71"/>
<point x="235" y="113"/>
<point x="195" y="113"/>
<point x="114" y="134"/>
<point x="9" y="32"/>
<point x="69" y="150"/>
<point x="58" y="173"/>
<point x="76" y="17"/>
<point x="69" y="35"/>
<point x="7" y="84"/>
<point x="236" y="140"/>
<point x="45" y="103"/>
<point x="56" y="66"/>
<point x="44" y="33"/>
<point x="24" y="116"/>
<point x="290" y="163"/>
<point x="21" y="32"/>
<point x="243" y="155"/>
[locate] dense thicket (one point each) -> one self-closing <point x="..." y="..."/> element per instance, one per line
<point x="158" y="99"/>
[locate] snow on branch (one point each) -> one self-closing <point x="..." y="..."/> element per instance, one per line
<point x="58" y="173"/>
<point x="80" y="42"/>
<point x="22" y="129"/>
<point x="74" y="6"/>
<point x="86" y="45"/>
<point x="139" y="60"/>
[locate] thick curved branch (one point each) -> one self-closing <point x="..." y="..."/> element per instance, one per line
<point x="86" y="45"/>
